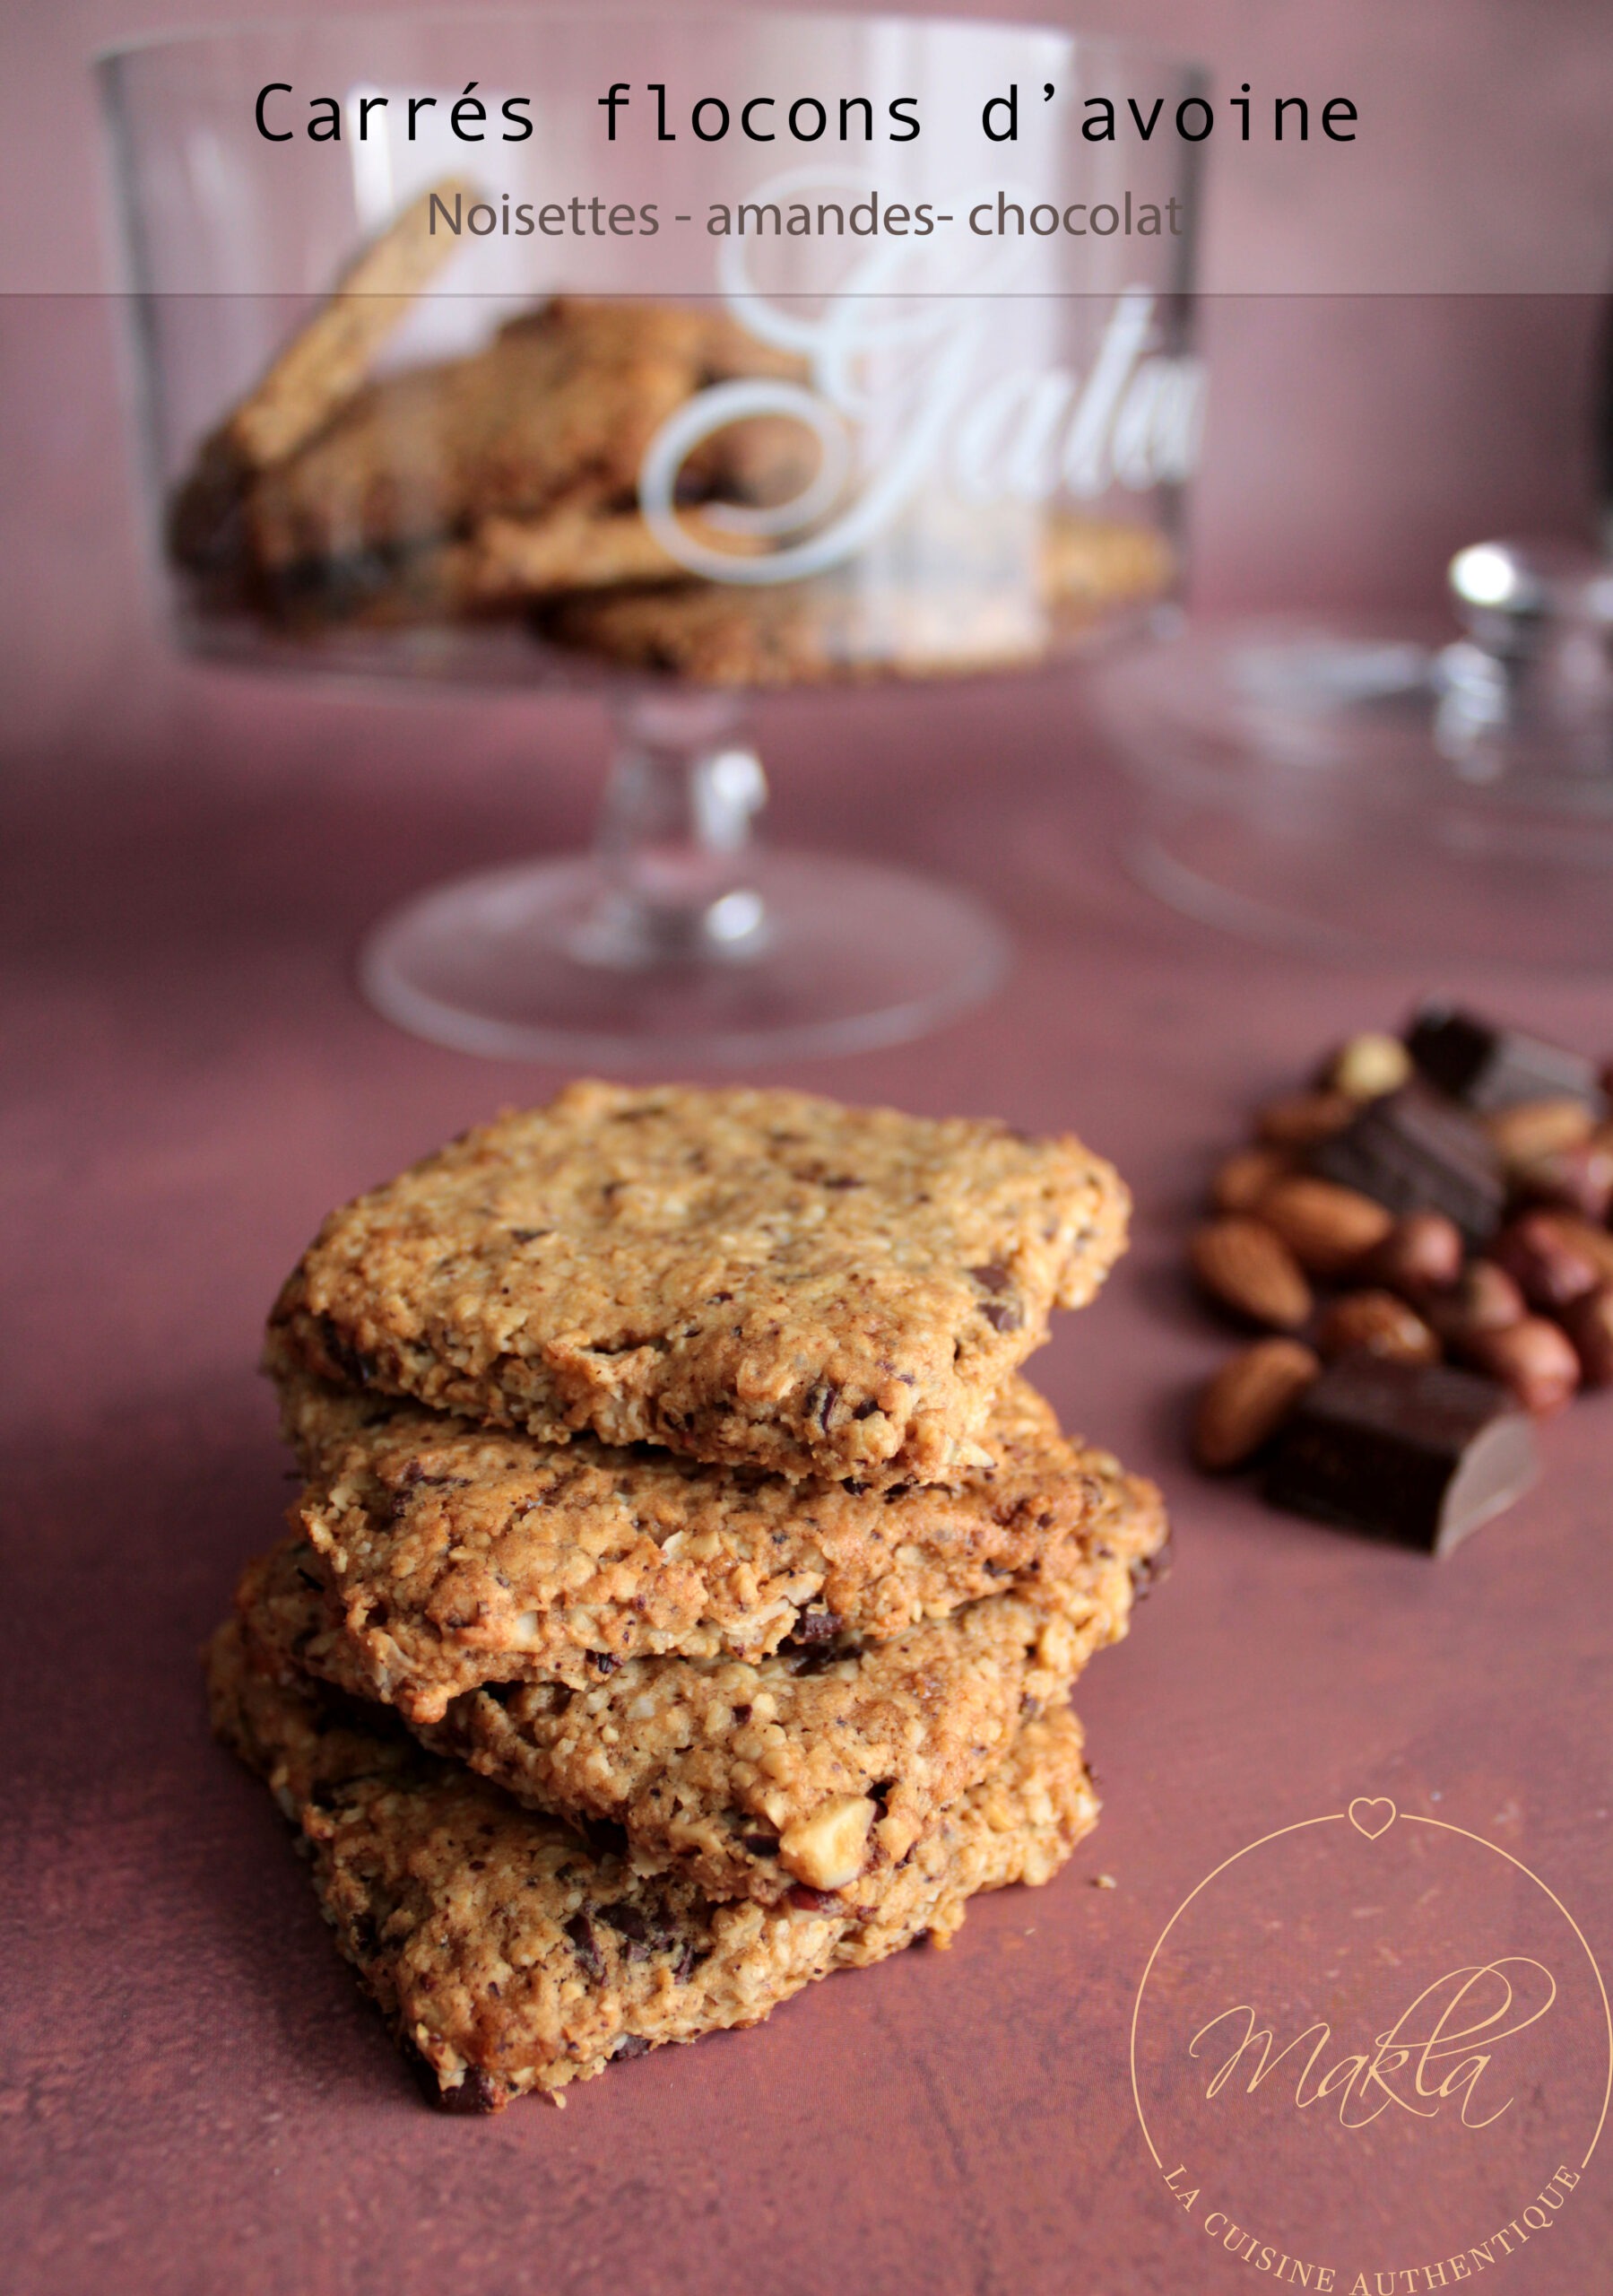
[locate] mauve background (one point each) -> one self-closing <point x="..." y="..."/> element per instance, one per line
<point x="192" y="2097"/>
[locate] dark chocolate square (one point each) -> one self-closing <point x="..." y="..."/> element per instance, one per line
<point x="1491" y="1067"/>
<point x="1414" y="1151"/>
<point x="1418" y="1453"/>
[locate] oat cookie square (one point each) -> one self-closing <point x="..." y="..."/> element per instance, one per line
<point x="749" y="1277"/>
<point x="557" y="410"/>
<point x="801" y="633"/>
<point x="510" y="1953"/>
<point x="458" y="1555"/>
<point x="822" y="1764"/>
<point x="944" y="622"/>
<point x="568" y="399"/>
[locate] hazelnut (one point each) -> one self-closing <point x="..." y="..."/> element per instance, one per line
<point x="1533" y="1358"/>
<point x="1370" y="1066"/>
<point x="1589" y="1324"/>
<point x="1421" y="1253"/>
<point x="1548" y="1268"/>
<point x="1575" y="1180"/>
<point x="1377" y="1323"/>
<point x="1586" y="1237"/>
<point x="1058" y="1647"/>
<point x="829" y="1850"/>
<point x="1484" y="1300"/>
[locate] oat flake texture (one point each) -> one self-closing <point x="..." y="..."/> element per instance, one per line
<point x="745" y="1277"/>
<point x="509" y="1954"/>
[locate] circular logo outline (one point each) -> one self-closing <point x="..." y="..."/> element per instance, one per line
<point x="1373" y="1804"/>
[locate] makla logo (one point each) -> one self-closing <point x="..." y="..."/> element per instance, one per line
<point x="1372" y="2054"/>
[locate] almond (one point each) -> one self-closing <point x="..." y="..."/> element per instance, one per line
<point x="1302" y="1119"/>
<point x="1243" y="1179"/>
<point x="1248" y="1399"/>
<point x="1370" y="1066"/>
<point x="1327" y="1228"/>
<point x="1532" y="1128"/>
<point x="1377" y="1323"/>
<point x="1248" y="1268"/>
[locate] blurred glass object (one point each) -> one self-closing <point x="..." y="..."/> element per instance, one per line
<point x="1354" y="789"/>
<point x="516" y="411"/>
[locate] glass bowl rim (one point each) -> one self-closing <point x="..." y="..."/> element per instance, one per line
<point x="106" y="58"/>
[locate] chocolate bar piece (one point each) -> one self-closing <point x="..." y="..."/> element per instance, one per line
<point x="1418" y="1453"/>
<point x="1490" y="1067"/>
<point x="1414" y="1151"/>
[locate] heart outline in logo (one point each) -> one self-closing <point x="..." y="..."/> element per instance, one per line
<point x="1364" y="1814"/>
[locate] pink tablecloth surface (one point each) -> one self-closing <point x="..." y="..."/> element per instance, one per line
<point x="192" y="2094"/>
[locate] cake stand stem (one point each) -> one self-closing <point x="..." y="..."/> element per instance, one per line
<point x="677" y="937"/>
<point x="672" y="843"/>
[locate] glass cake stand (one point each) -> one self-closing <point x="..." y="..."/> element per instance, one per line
<point x="424" y="395"/>
<point x="1353" y="789"/>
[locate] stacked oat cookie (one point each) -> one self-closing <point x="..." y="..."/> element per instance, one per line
<point x="686" y="1590"/>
